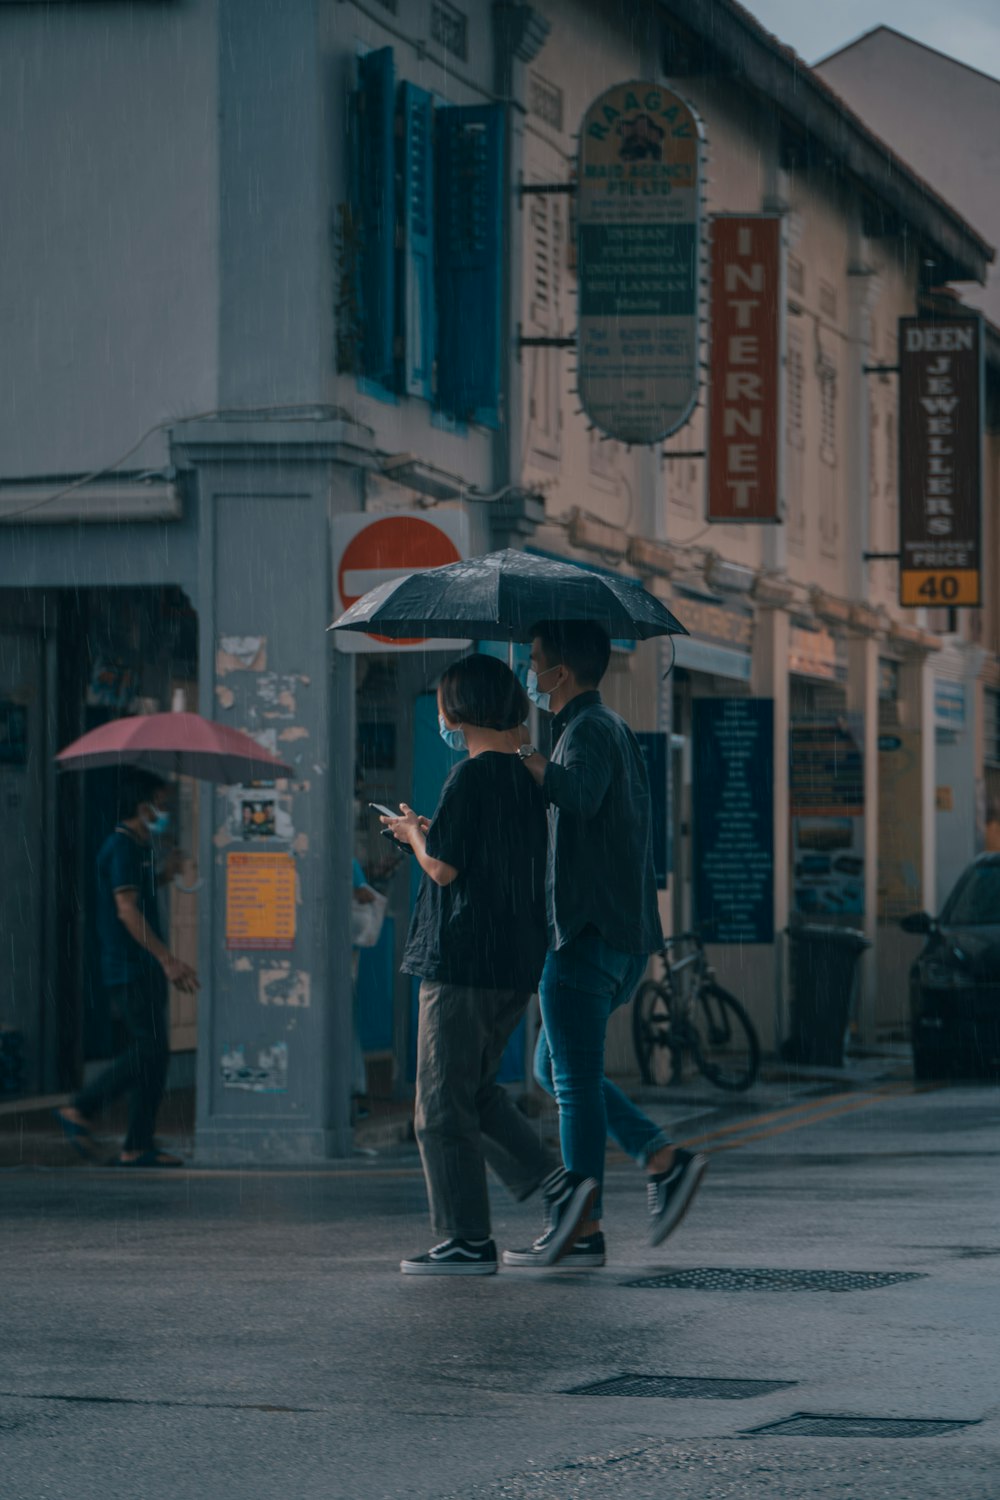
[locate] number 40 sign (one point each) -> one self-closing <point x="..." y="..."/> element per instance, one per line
<point x="940" y="461"/>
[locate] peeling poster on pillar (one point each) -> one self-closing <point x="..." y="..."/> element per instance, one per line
<point x="260" y="901"/>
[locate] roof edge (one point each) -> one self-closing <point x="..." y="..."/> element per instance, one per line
<point x="770" y="68"/>
<point x="902" y="36"/>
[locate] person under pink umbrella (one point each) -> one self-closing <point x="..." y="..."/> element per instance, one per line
<point x="137" y="969"/>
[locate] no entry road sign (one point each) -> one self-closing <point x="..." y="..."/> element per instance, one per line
<point x="369" y="550"/>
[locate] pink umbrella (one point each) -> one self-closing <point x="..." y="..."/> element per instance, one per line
<point x="185" y="744"/>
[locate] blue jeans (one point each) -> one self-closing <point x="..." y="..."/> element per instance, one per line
<point x="581" y="985"/>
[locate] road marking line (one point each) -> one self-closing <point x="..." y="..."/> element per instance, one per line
<point x="753" y="1122"/>
<point x="856" y="1104"/>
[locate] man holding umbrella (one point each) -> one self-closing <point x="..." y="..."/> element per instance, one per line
<point x="602" y="907"/>
<point x="603" y="925"/>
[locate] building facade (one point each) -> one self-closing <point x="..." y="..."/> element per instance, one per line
<point x="266" y="347"/>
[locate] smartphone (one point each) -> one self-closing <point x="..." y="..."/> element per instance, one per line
<point x="387" y="812"/>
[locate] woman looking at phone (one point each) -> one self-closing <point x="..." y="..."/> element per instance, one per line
<point x="477" y="941"/>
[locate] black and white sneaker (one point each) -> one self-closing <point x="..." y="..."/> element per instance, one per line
<point x="584" y="1253"/>
<point x="669" y="1194"/>
<point x="454" y="1258"/>
<point x="567" y="1199"/>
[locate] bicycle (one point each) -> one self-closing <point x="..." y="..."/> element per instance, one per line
<point x="687" y="1013"/>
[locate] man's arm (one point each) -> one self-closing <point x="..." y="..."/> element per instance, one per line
<point x="132" y="919"/>
<point x="577" y="784"/>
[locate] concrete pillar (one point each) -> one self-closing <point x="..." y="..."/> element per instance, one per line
<point x="862" y="708"/>
<point x="770" y="680"/>
<point x="268" y="664"/>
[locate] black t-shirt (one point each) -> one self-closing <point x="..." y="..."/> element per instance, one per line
<point x="125" y="864"/>
<point x="487" y="928"/>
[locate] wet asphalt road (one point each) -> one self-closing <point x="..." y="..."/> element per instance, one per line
<point x="224" y="1335"/>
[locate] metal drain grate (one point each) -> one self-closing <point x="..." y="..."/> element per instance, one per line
<point x="680" y="1387"/>
<point x="816" y="1424"/>
<point x="728" y="1279"/>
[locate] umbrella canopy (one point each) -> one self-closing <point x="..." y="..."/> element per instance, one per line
<point x="501" y="596"/>
<point x="185" y="744"/>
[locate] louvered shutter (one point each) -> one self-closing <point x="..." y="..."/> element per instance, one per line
<point x="373" y="203"/>
<point x="543" y="367"/>
<point x="469" y="159"/>
<point x="416" y="256"/>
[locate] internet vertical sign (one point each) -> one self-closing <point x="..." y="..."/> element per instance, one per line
<point x="746" y="395"/>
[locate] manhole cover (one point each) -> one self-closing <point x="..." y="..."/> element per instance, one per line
<point x="728" y="1279"/>
<point x="680" y="1387"/>
<point x="815" y="1424"/>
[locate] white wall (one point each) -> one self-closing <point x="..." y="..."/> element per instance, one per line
<point x="108" y="236"/>
<point x="942" y="117"/>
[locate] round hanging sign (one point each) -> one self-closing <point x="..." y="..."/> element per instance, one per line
<point x="638" y="255"/>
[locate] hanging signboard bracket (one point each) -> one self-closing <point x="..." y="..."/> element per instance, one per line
<point x="880" y="369"/>
<point x="694" y="453"/>
<point x="546" y="342"/>
<point x="544" y="189"/>
<point x="880" y="556"/>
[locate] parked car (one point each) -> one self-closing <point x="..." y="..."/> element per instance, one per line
<point x="955" y="981"/>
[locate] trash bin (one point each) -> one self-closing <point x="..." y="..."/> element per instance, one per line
<point x="824" y="967"/>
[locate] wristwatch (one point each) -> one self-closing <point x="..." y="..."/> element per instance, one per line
<point x="524" y="751"/>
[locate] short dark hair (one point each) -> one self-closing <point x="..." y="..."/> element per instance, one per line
<point x="482" y="691"/>
<point x="581" y="645"/>
<point x="136" y="787"/>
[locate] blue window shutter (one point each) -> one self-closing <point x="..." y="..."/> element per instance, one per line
<point x="374" y="203"/>
<point x="470" y="238"/>
<point x="416" y="262"/>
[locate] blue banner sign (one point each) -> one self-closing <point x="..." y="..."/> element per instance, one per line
<point x="655" y="749"/>
<point x="733" y="832"/>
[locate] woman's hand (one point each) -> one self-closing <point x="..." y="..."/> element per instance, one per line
<point x="405" y="828"/>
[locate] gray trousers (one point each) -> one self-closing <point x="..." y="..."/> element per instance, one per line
<point x="463" y="1117"/>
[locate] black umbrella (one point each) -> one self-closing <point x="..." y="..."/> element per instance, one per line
<point x="501" y="596"/>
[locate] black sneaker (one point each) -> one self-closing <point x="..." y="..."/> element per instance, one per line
<point x="584" y="1253"/>
<point x="669" y="1194"/>
<point x="567" y="1199"/>
<point x="454" y="1258"/>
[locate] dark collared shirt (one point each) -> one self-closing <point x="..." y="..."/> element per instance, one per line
<point x="600" y="858"/>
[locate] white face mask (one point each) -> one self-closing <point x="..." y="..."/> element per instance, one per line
<point x="539" y="699"/>
<point x="160" y="822"/>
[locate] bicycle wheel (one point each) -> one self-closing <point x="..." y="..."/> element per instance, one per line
<point x="723" y="1039"/>
<point x="651" y="1031"/>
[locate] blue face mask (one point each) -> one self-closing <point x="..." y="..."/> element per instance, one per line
<point x="160" y="823"/>
<point x="453" y="738"/>
<point x="539" y="699"/>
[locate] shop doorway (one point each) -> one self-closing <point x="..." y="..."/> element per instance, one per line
<point x="22" y="799"/>
<point x="69" y="661"/>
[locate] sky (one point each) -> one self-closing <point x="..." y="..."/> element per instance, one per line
<point x="966" y="29"/>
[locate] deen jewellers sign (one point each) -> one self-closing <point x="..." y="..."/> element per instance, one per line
<point x="638" y="248"/>
<point x="940" y="461"/>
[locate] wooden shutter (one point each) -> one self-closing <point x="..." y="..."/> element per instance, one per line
<point x="543" y="367"/>
<point x="469" y="161"/>
<point x="416" y="257"/>
<point x="373" y="202"/>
